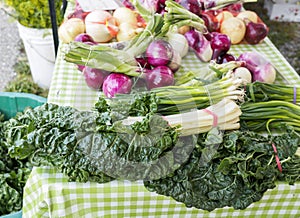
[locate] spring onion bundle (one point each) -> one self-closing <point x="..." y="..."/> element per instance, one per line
<point x="176" y="99"/>
<point x="177" y="16"/>
<point x="259" y="91"/>
<point x="270" y="115"/>
<point x="225" y="114"/>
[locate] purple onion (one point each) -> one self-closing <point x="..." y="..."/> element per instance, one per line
<point x="94" y="77"/>
<point x="261" y="69"/>
<point x="220" y="44"/>
<point x="158" y="77"/>
<point x="116" y="83"/>
<point x="85" y="38"/>
<point x="193" y="6"/>
<point x="159" y="53"/>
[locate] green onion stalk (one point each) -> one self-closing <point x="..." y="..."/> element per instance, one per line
<point x="177" y="16"/>
<point x="177" y="99"/>
<point x="212" y="72"/>
<point x="270" y="116"/>
<point x="259" y="91"/>
<point x="217" y="4"/>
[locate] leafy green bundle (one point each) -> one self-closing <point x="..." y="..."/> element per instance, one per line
<point x="13" y="176"/>
<point x="96" y="146"/>
<point x="208" y="171"/>
<point x="235" y="173"/>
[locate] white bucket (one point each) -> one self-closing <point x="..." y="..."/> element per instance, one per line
<point x="39" y="47"/>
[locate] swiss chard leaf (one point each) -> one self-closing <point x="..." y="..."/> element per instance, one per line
<point x="237" y="175"/>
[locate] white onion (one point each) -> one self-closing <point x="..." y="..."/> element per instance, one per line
<point x="178" y="43"/>
<point x="125" y="15"/>
<point x="99" y="25"/>
<point x="69" y="29"/>
<point x="126" y="32"/>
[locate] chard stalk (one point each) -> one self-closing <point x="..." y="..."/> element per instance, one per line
<point x="226" y="112"/>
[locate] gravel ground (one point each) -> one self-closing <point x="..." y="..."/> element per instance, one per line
<point x="9" y="49"/>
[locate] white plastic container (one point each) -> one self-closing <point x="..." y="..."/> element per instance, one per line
<point x="39" y="47"/>
<point x="283" y="10"/>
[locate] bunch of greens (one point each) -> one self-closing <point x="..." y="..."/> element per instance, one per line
<point x="95" y="145"/>
<point x="269" y="107"/>
<point x="13" y="175"/>
<point x="235" y="172"/>
<point x="215" y="169"/>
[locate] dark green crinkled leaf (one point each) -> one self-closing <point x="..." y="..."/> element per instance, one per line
<point x="237" y="175"/>
<point x="143" y="150"/>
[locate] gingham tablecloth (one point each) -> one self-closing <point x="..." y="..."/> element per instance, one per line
<point x="49" y="194"/>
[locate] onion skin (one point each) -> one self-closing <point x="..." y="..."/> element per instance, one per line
<point x="200" y="45"/>
<point x="101" y="26"/>
<point x="261" y="69"/>
<point x="116" y="83"/>
<point x="158" y="77"/>
<point x="94" y="78"/>
<point x="159" y="53"/>
<point x="125" y="15"/>
<point x="235" y="28"/>
<point x="255" y="32"/>
<point x="85" y="38"/>
<point x="220" y="44"/>
<point x="178" y="43"/>
<point x="193" y="6"/>
<point x="175" y="63"/>
<point x="69" y="29"/>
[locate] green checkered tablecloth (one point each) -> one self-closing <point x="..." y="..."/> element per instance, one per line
<point x="49" y="194"/>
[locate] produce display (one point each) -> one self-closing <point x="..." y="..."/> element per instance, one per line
<point x="218" y="137"/>
<point x="160" y="39"/>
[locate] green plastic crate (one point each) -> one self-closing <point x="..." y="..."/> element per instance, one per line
<point x="10" y="104"/>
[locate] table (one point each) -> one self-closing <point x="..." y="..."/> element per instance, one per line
<point x="49" y="194"/>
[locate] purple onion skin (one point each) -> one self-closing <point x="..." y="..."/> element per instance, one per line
<point x="200" y="45"/>
<point x="80" y="67"/>
<point x="142" y="61"/>
<point x="116" y="83"/>
<point x="94" y="77"/>
<point x="261" y="69"/>
<point x="252" y="60"/>
<point x="192" y="37"/>
<point x="193" y="6"/>
<point x="220" y="44"/>
<point x="128" y="4"/>
<point x="210" y="21"/>
<point x="225" y="58"/>
<point x="159" y="53"/>
<point x="85" y="38"/>
<point x="158" y="77"/>
<point x="265" y="73"/>
<point x="255" y="32"/>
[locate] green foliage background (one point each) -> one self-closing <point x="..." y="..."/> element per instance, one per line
<point x="34" y="13"/>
